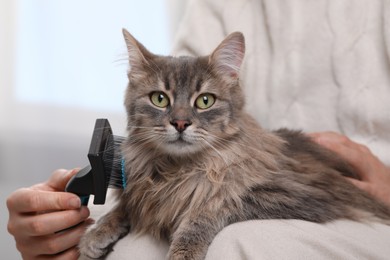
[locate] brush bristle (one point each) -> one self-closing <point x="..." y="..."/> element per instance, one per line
<point x="112" y="158"/>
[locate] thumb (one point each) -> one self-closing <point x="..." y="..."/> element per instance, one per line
<point x="59" y="179"/>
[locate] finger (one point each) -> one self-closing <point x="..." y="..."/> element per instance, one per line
<point x="60" y="178"/>
<point x="326" y="138"/>
<point x="54" y="246"/>
<point x="27" y="200"/>
<point x="354" y="158"/>
<point x="356" y="154"/>
<point x="70" y="254"/>
<point x="61" y="242"/>
<point x="57" y="181"/>
<point x="359" y="184"/>
<point x="49" y="223"/>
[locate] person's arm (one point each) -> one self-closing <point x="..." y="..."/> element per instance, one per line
<point x="41" y="217"/>
<point x="375" y="176"/>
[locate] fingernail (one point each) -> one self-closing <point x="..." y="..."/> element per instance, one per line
<point x="320" y="139"/>
<point x="75" y="203"/>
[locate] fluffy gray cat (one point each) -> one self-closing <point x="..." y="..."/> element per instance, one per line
<point x="197" y="162"/>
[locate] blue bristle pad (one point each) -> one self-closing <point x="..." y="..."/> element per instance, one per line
<point x="123" y="172"/>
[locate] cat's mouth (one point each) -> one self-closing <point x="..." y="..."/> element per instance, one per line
<point x="181" y="139"/>
<point x="182" y="144"/>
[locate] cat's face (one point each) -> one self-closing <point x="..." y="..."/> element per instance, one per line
<point x="183" y="105"/>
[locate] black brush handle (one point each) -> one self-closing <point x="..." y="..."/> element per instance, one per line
<point x="81" y="184"/>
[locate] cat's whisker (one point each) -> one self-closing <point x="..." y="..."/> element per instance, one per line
<point x="230" y="161"/>
<point x="142" y="127"/>
<point x="123" y="57"/>
<point x="143" y="137"/>
<point x="222" y="141"/>
<point x="160" y="142"/>
<point x="216" y="150"/>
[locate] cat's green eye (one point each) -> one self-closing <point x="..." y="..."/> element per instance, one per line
<point x="205" y="101"/>
<point x="159" y="99"/>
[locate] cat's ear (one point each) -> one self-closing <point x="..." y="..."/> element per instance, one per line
<point x="139" y="56"/>
<point x="228" y="56"/>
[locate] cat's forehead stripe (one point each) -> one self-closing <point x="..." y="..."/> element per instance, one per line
<point x="199" y="84"/>
<point x="167" y="84"/>
<point x="182" y="75"/>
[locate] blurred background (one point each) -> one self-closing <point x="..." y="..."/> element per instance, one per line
<point x="62" y="65"/>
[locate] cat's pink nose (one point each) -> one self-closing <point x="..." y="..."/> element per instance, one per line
<point x="181" y="125"/>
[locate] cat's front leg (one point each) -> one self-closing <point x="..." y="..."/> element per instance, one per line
<point x="98" y="240"/>
<point x="193" y="237"/>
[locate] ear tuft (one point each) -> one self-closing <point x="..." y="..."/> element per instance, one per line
<point x="228" y="56"/>
<point x="138" y="54"/>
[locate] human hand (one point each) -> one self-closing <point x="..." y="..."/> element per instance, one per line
<point x="374" y="175"/>
<point x="41" y="217"/>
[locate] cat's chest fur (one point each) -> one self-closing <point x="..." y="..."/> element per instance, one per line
<point x="162" y="191"/>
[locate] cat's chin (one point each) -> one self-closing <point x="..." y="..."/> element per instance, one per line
<point x="180" y="144"/>
<point x="181" y="149"/>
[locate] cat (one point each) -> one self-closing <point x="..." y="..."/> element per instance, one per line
<point x="197" y="162"/>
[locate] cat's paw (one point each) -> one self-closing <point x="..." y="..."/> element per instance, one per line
<point x="92" y="249"/>
<point x="94" y="244"/>
<point x="83" y="257"/>
<point x="184" y="255"/>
